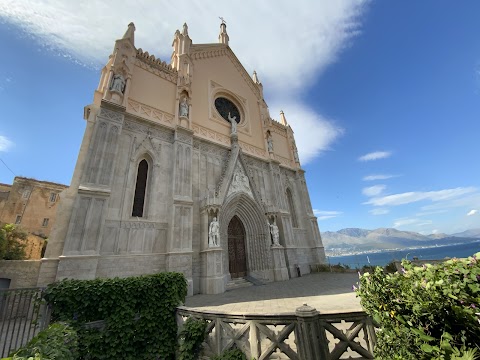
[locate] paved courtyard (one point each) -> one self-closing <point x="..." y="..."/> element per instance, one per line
<point x="327" y="292"/>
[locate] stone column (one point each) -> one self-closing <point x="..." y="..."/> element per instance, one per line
<point x="311" y="342"/>
<point x="280" y="270"/>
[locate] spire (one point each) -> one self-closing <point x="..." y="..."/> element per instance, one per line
<point x="185" y="29"/>
<point x="283" y="119"/>
<point x="255" y="77"/>
<point x="129" y="34"/>
<point x="223" y="36"/>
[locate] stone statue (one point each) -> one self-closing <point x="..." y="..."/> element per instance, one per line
<point x="275" y="233"/>
<point x="295" y="155"/>
<point x="233" y="121"/>
<point x="183" y="111"/>
<point x="118" y="83"/>
<point x="213" y="232"/>
<point x="270" y="143"/>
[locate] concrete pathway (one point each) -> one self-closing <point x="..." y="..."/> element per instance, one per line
<point x="327" y="292"/>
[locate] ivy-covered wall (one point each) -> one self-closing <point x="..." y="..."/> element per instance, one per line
<point x="138" y="314"/>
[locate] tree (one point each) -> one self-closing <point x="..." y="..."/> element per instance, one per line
<point x="12" y="242"/>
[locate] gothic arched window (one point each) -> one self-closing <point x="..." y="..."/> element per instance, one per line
<point x="291" y="209"/>
<point x="140" y="188"/>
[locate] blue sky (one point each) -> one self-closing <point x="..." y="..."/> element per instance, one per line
<point x="383" y="96"/>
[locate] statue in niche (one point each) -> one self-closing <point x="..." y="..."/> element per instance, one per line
<point x="183" y="110"/>
<point x="233" y="121"/>
<point x="274" y="232"/>
<point x="118" y="83"/>
<point x="295" y="155"/>
<point x="269" y="142"/>
<point x="213" y="232"/>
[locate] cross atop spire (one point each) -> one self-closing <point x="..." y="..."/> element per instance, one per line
<point x="223" y="36"/>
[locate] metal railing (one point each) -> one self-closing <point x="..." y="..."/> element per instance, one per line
<point x="23" y="314"/>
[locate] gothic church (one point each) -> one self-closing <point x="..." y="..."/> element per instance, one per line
<point x="181" y="168"/>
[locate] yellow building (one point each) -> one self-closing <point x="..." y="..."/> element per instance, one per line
<point x="182" y="168"/>
<point x="32" y="205"/>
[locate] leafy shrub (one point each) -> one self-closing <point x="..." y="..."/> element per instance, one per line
<point x="138" y="314"/>
<point x="390" y="267"/>
<point x="12" y="242"/>
<point x="368" y="268"/>
<point x="232" y="354"/>
<point x="58" y="342"/>
<point x="428" y="312"/>
<point x="340" y="267"/>
<point x="322" y="268"/>
<point x="191" y="338"/>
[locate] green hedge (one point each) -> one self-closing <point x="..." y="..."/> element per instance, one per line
<point x="427" y="312"/>
<point x="191" y="338"/>
<point x="58" y="342"/>
<point x="138" y="314"/>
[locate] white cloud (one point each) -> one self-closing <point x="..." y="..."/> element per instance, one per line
<point x="425" y="213"/>
<point x="375" y="155"/>
<point x="472" y="212"/>
<point x="5" y="81"/>
<point x="403" y="222"/>
<point x="378" y="177"/>
<point x="414" y="196"/>
<point x="5" y="143"/>
<point x="373" y="190"/>
<point x="412" y="222"/>
<point x="324" y="215"/>
<point x="265" y="37"/>
<point x="313" y="132"/>
<point x="279" y="41"/>
<point x="379" y="211"/>
<point x="470" y="200"/>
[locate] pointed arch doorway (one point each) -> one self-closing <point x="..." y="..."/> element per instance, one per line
<point x="237" y="259"/>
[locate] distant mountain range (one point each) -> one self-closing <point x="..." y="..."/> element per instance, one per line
<point x="354" y="240"/>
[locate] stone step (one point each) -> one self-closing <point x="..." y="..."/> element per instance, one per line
<point x="238" y="283"/>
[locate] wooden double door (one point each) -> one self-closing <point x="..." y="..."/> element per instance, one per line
<point x="237" y="258"/>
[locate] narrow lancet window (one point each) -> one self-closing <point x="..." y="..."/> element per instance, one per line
<point x="291" y="208"/>
<point x="140" y="187"/>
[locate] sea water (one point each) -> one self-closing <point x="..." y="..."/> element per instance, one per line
<point x="382" y="258"/>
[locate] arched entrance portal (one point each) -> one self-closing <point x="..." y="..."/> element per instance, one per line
<point x="237" y="258"/>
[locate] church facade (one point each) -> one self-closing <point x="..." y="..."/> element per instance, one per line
<point x="181" y="168"/>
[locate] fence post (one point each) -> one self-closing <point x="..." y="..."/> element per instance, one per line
<point x="309" y="334"/>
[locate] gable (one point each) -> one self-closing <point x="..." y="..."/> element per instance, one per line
<point x="217" y="73"/>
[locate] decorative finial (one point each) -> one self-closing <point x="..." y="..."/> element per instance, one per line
<point x="185" y="29"/>
<point x="223" y="36"/>
<point x="255" y="77"/>
<point x="283" y="119"/>
<point x="129" y="34"/>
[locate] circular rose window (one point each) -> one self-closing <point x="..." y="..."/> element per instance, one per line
<point x="225" y="107"/>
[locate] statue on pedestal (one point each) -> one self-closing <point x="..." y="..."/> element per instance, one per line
<point x="269" y="142"/>
<point x="118" y="83"/>
<point x="274" y="232"/>
<point x="295" y="155"/>
<point x="213" y="232"/>
<point x="183" y="108"/>
<point x="233" y="121"/>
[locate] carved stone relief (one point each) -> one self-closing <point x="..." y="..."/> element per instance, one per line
<point x="152" y="131"/>
<point x="111" y="115"/>
<point x="240" y="182"/>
